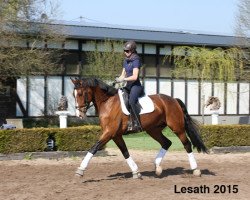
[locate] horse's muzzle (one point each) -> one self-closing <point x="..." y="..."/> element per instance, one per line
<point x="81" y="113"/>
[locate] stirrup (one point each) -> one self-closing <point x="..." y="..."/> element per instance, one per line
<point x="137" y="128"/>
<point x="130" y="126"/>
<point x="133" y="127"/>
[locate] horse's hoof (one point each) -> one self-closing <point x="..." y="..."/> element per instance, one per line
<point x="158" y="170"/>
<point x="137" y="175"/>
<point x="79" y="172"/>
<point x="197" y="172"/>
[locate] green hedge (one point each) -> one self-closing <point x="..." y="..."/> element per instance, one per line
<point x="77" y="139"/>
<point x="226" y="135"/>
<point x="23" y="140"/>
<point x="82" y="138"/>
<point x="35" y="140"/>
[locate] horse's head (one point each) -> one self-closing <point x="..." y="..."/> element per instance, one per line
<point x="83" y="96"/>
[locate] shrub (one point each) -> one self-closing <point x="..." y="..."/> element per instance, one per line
<point x="23" y="140"/>
<point x="226" y="135"/>
<point x="35" y="140"/>
<point x="77" y="139"/>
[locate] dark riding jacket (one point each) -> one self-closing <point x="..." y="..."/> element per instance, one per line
<point x="129" y="64"/>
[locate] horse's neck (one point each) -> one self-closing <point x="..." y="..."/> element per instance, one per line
<point x="100" y="97"/>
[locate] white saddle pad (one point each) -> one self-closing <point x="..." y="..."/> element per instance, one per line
<point x="146" y="103"/>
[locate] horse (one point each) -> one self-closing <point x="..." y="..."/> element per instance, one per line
<point x="168" y="111"/>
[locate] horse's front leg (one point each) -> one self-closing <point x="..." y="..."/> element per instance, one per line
<point x="123" y="148"/>
<point x="98" y="145"/>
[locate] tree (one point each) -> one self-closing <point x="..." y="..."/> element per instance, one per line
<point x="242" y="30"/>
<point x="25" y="34"/>
<point x="208" y="64"/>
<point x="107" y="63"/>
<point x="243" y="21"/>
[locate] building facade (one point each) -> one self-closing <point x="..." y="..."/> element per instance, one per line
<point x="39" y="95"/>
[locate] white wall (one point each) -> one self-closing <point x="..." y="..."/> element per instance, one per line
<point x="193" y="97"/>
<point x="206" y="92"/>
<point x="179" y="89"/>
<point x="165" y="86"/>
<point x="244" y="98"/>
<point x="68" y="92"/>
<point x="150" y="86"/>
<point x="231" y="98"/>
<point x="54" y="91"/>
<point x="36" y="96"/>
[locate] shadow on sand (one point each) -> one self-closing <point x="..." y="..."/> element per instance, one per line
<point x="151" y="174"/>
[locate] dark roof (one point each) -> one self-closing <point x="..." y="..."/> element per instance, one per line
<point x="85" y="30"/>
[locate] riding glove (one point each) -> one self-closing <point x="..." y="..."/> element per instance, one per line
<point x="119" y="79"/>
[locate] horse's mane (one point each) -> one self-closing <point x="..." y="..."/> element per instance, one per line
<point x="93" y="82"/>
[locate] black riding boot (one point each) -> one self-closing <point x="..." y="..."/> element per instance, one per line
<point x="134" y="123"/>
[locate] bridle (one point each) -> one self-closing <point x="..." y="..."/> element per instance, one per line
<point x="86" y="104"/>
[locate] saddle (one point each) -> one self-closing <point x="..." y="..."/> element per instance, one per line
<point x="145" y="103"/>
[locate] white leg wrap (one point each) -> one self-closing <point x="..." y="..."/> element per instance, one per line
<point x="85" y="161"/>
<point x="133" y="166"/>
<point x="160" y="156"/>
<point x="192" y="161"/>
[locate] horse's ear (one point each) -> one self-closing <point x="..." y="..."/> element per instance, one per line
<point x="73" y="80"/>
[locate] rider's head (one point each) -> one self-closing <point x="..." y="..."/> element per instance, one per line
<point x="130" y="46"/>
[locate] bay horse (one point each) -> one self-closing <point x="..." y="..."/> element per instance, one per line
<point x="168" y="111"/>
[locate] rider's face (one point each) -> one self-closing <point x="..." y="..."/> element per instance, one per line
<point x="127" y="53"/>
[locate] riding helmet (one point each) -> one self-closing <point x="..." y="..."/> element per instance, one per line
<point x="130" y="46"/>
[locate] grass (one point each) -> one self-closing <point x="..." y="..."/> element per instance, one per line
<point x="142" y="141"/>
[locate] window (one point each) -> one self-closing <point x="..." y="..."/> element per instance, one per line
<point x="165" y="66"/>
<point x="72" y="63"/>
<point x="149" y="64"/>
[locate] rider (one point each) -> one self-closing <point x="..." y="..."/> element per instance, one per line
<point x="130" y="73"/>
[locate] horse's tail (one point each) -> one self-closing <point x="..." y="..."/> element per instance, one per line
<point x="193" y="130"/>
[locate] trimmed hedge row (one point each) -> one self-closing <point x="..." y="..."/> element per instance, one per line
<point x="35" y="140"/>
<point x="226" y="135"/>
<point x="77" y="139"/>
<point x="23" y="140"/>
<point x="82" y="138"/>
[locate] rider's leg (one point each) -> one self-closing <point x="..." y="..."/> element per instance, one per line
<point x="135" y="93"/>
<point x="134" y="111"/>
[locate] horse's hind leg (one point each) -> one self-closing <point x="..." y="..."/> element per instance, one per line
<point x="123" y="148"/>
<point x="165" y="144"/>
<point x="180" y="132"/>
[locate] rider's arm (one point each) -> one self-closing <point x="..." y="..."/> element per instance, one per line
<point x="134" y="76"/>
<point x="123" y="74"/>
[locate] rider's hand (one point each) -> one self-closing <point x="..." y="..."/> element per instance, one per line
<point x="119" y="79"/>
